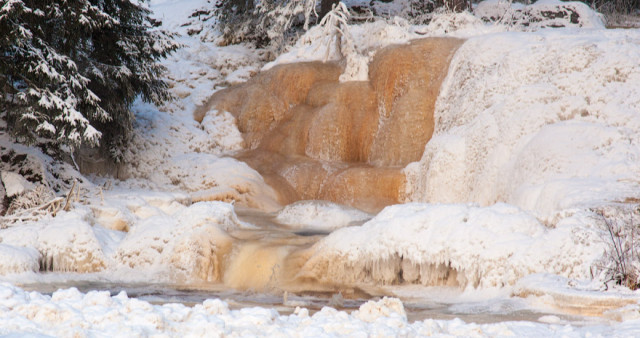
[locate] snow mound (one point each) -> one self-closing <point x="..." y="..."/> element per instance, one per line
<point x="456" y="245"/>
<point x="15" y="259"/>
<point x="386" y="307"/>
<point x="190" y="245"/>
<point x="546" y="122"/>
<point x="320" y="215"/>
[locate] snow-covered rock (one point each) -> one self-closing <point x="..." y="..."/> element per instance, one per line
<point x="546" y="121"/>
<point x="14" y="183"/>
<point x="68" y="244"/>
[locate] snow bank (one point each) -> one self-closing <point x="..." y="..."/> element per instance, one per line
<point x="317" y="44"/>
<point x="546" y="121"/>
<point x="457" y="245"/>
<point x="320" y="215"/>
<point x="162" y="234"/>
<point x="65" y="243"/>
<point x="72" y="313"/>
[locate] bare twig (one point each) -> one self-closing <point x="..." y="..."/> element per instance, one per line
<point x="66" y="204"/>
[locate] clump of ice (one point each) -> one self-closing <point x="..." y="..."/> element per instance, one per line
<point x="544" y="121"/>
<point x="458" y="245"/>
<point x="320" y="215"/>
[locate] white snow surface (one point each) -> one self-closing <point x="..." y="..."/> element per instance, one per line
<point x="97" y="313"/>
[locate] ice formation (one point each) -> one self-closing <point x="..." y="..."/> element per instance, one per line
<point x="191" y="244"/>
<point x="456" y="245"/>
<point x="313" y="137"/>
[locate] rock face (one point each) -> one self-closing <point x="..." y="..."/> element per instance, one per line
<point x="312" y="137"/>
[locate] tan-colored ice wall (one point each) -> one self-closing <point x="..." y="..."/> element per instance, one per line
<point x="312" y="137"/>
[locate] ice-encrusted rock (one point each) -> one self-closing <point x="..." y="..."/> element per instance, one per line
<point x="455" y="245"/>
<point x="320" y="215"/>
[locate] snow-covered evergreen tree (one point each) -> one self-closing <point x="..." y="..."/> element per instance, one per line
<point x="70" y="69"/>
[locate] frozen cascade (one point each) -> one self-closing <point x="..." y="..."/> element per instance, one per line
<point x="313" y="137"/>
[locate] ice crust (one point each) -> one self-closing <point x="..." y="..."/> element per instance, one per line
<point x="154" y="233"/>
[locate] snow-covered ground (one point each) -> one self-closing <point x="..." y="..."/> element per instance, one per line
<point x="537" y="131"/>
